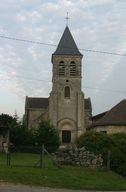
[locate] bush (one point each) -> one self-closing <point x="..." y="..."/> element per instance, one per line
<point x="118" y="151"/>
<point x="100" y="143"/>
<point x="122" y="169"/>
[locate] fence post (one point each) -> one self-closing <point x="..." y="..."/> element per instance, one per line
<point x="7" y="158"/>
<point x="41" y="156"/>
<point x="51" y="157"/>
<point x="8" y="155"/>
<point x="108" y="159"/>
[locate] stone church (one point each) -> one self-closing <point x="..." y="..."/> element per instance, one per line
<point x="66" y="107"/>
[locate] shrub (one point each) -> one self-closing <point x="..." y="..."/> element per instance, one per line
<point x="122" y="169"/>
<point x="100" y="143"/>
<point x="118" y="151"/>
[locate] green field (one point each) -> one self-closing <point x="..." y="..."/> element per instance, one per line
<point x="51" y="176"/>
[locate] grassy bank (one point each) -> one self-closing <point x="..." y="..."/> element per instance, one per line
<point x="65" y="177"/>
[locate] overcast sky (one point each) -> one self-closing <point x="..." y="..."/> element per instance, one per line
<point x="96" y="25"/>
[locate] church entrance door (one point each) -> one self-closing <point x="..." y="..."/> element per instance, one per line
<point x="66" y="136"/>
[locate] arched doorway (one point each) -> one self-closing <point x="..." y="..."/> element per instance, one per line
<point x="67" y="131"/>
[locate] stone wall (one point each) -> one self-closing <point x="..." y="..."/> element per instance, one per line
<point x="111" y="129"/>
<point x="79" y="157"/>
<point x="35" y="116"/>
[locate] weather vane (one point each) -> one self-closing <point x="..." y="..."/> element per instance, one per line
<point x="67" y="18"/>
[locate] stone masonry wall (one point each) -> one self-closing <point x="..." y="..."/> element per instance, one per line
<point x="111" y="129"/>
<point x="79" y="157"/>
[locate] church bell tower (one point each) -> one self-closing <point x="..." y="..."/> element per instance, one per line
<point x="66" y="102"/>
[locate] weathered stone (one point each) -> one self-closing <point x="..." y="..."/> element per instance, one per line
<point x="79" y="157"/>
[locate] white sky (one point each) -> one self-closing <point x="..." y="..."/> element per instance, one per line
<point x="96" y="25"/>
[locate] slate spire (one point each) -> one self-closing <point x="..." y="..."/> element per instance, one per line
<point x="67" y="45"/>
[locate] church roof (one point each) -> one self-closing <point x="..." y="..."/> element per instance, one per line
<point x="36" y="102"/>
<point x="115" y="116"/>
<point x="67" y="45"/>
<point x="98" y="116"/>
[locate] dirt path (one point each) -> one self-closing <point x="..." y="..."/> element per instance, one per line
<point x="23" y="188"/>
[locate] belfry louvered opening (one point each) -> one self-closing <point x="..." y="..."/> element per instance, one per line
<point x="61" y="68"/>
<point x="72" y="68"/>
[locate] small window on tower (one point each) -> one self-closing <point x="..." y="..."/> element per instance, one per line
<point x="67" y="92"/>
<point x="72" y="68"/>
<point x="61" y="68"/>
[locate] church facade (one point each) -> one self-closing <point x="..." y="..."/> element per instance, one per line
<point x="66" y="107"/>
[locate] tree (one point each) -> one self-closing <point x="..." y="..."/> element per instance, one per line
<point x="7" y="120"/>
<point x="19" y="135"/>
<point x="47" y="134"/>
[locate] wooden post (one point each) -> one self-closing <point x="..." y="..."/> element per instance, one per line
<point x="41" y="156"/>
<point x="50" y="156"/>
<point x="108" y="159"/>
<point x="8" y="156"/>
<point x="7" y="146"/>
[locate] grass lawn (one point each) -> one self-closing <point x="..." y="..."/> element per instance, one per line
<point x="51" y="176"/>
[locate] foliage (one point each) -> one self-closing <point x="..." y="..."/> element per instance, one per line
<point x="7" y="120"/>
<point x="118" y="153"/>
<point x="20" y="136"/>
<point x="101" y="143"/>
<point x="121" y="169"/>
<point x="47" y="134"/>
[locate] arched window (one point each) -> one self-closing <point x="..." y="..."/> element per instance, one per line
<point x="72" y="68"/>
<point x="67" y="92"/>
<point x="61" y="68"/>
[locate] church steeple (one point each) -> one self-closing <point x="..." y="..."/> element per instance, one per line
<point x="67" y="45"/>
<point x="67" y="99"/>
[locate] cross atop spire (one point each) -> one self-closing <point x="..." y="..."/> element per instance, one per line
<point x="67" y="18"/>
